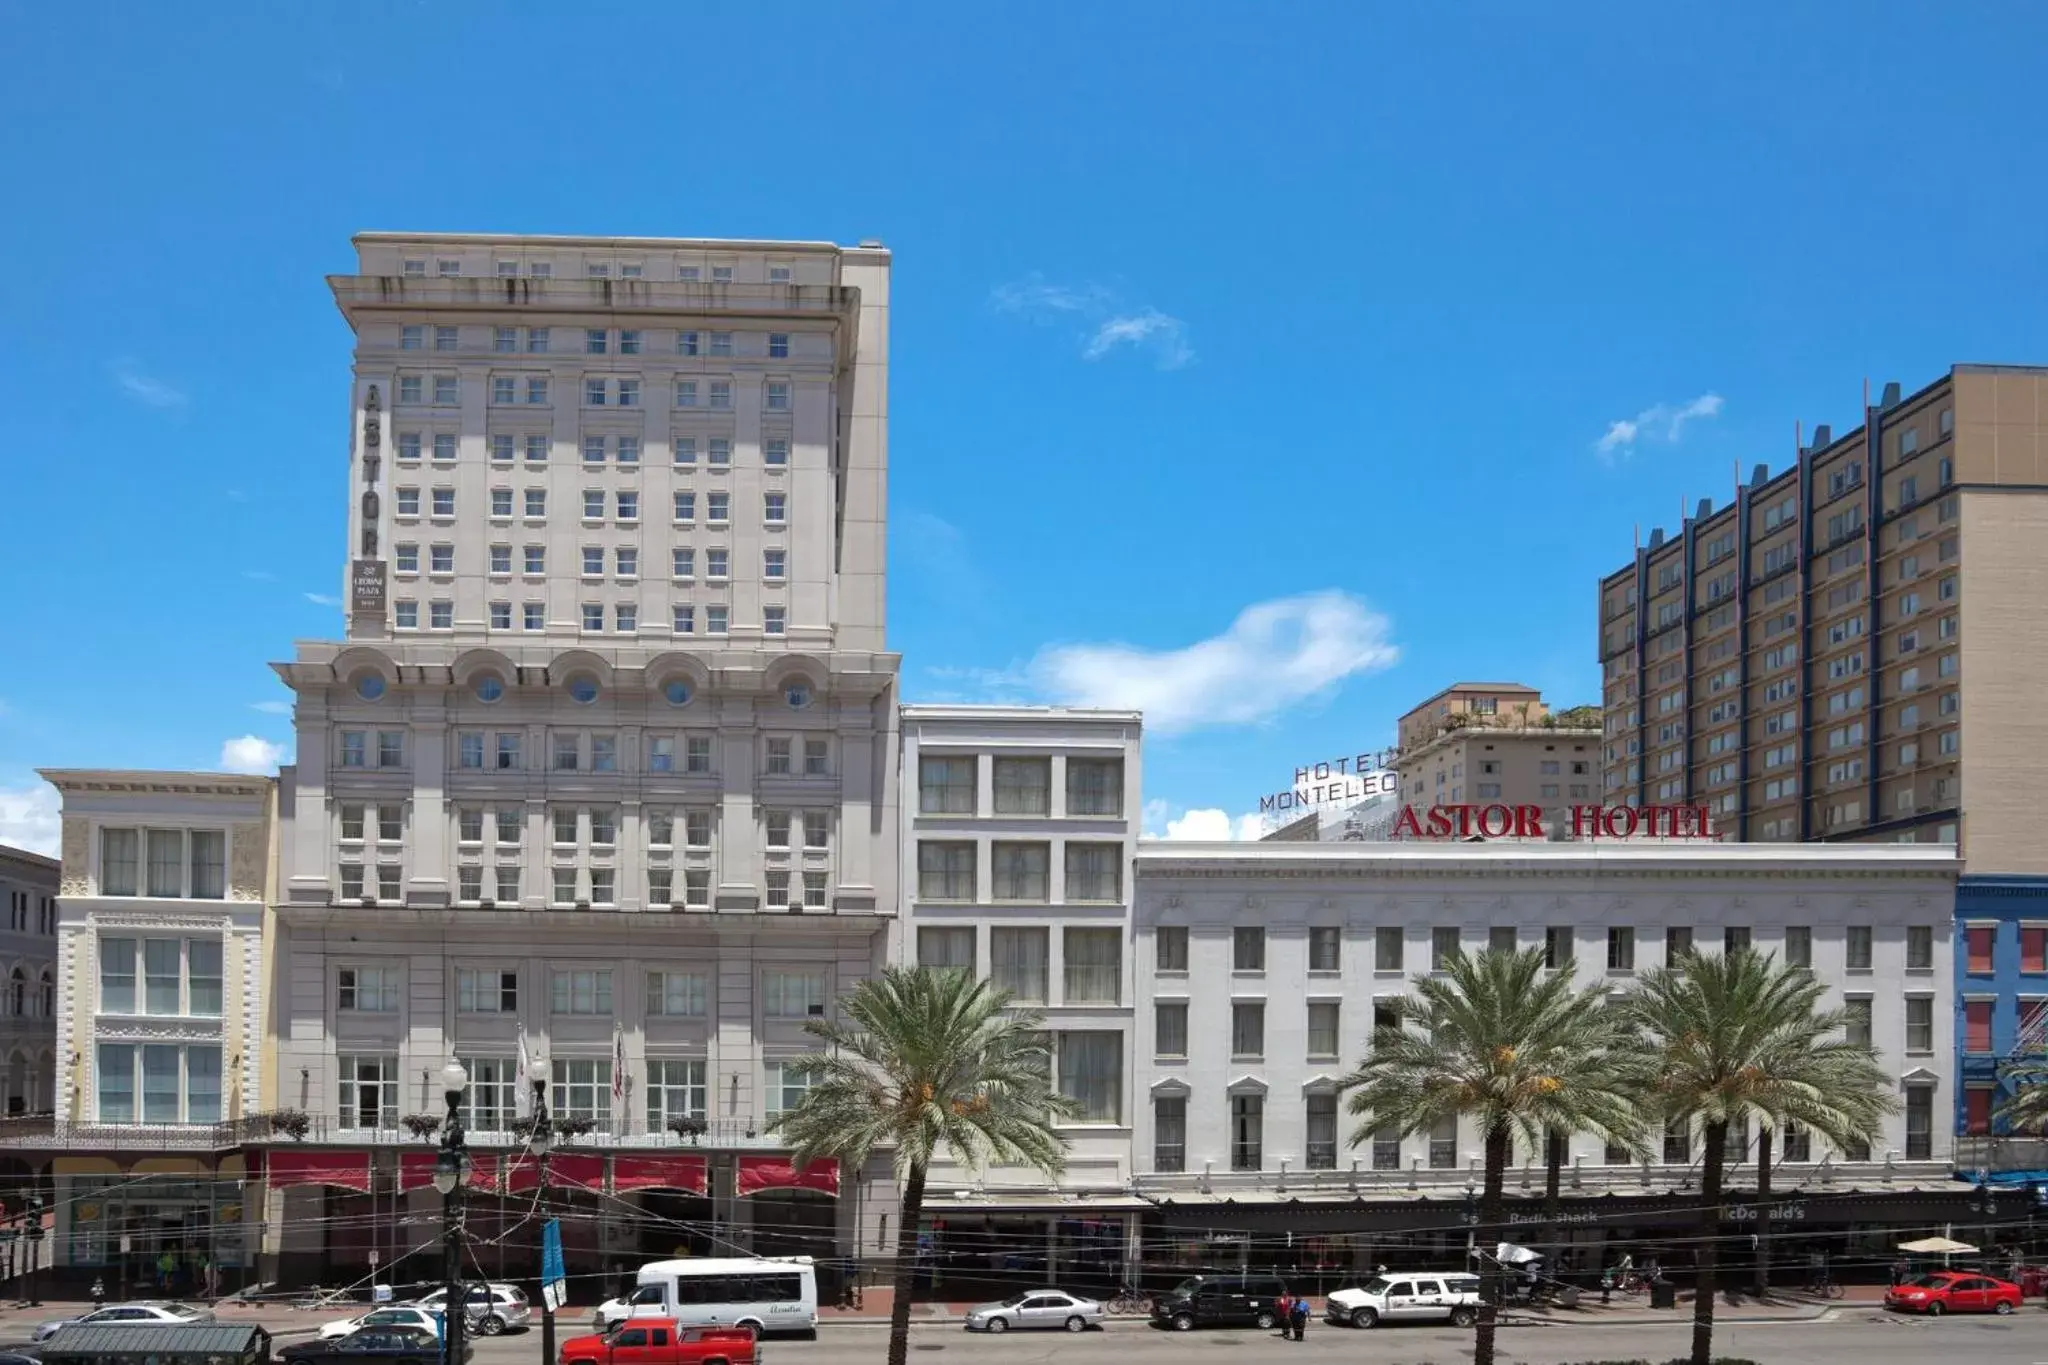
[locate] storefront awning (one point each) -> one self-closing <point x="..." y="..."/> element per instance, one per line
<point x="283" y="1167"/>
<point x="688" y="1173"/>
<point x="566" y="1171"/>
<point x="758" y="1174"/>
<point x="417" y="1168"/>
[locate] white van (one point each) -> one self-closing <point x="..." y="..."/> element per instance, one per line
<point x="1423" y="1297"/>
<point x="776" y="1295"/>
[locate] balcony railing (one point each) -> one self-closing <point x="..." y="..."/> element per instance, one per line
<point x="496" y="292"/>
<point x="731" y="1133"/>
<point x="1354" y="1179"/>
<point x="46" y="1131"/>
<point x="1994" y="1154"/>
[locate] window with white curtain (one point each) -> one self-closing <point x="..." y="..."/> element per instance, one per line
<point x="1094" y="872"/>
<point x="583" y="1090"/>
<point x="1247" y="1132"/>
<point x="787" y="1084"/>
<point x="491" y="1102"/>
<point x="1247" y="1029"/>
<point x="1095" y="786"/>
<point x="166" y="866"/>
<point x="1169" y="1133"/>
<point x="120" y="866"/>
<point x="162" y="975"/>
<point x="580" y="991"/>
<point x="1091" y="1073"/>
<point x="945" y="786"/>
<point x="1248" y="949"/>
<point x="1094" y="966"/>
<point x="949" y="946"/>
<point x="1023" y="786"/>
<point x="1170" y="1028"/>
<point x="1322" y="1131"/>
<point x="368" y="1090"/>
<point x="168" y="863"/>
<point x="1323" y="1039"/>
<point x="792" y="995"/>
<point x="1021" y="871"/>
<point x="945" y="871"/>
<point x="675" y="1090"/>
<point x="676" y="995"/>
<point x="1017" y="962"/>
<point x="174" y="1084"/>
<point x="117" y="976"/>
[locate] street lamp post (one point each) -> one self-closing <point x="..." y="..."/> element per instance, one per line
<point x="539" y="1139"/>
<point x="449" y="1169"/>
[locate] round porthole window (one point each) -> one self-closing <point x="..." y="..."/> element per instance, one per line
<point x="798" y="695"/>
<point x="370" y="686"/>
<point x="489" y="687"/>
<point x="583" y="689"/>
<point x="677" y="691"/>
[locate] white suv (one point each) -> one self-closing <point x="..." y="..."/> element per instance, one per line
<point x="492" y="1308"/>
<point x="1424" y="1297"/>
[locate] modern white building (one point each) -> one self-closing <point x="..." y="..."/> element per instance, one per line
<point x="28" y="969"/>
<point x="608" y="755"/>
<point x="1264" y="968"/>
<point x="1018" y="833"/>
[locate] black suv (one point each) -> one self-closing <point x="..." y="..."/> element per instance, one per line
<point x="1220" y="1301"/>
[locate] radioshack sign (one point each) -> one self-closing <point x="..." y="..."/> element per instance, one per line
<point x="1580" y="822"/>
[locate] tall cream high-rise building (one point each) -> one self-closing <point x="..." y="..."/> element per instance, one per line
<point x="607" y="755"/>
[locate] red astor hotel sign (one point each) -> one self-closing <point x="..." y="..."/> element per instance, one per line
<point x="1526" y="822"/>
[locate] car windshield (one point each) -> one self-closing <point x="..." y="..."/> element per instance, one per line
<point x="1931" y="1282"/>
<point x="1377" y="1285"/>
<point x="1187" y="1286"/>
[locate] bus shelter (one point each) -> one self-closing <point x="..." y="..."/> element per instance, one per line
<point x="206" y="1343"/>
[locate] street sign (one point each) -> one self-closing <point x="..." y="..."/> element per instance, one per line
<point x="554" y="1278"/>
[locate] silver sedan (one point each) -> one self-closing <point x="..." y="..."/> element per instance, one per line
<point x="1037" y="1308"/>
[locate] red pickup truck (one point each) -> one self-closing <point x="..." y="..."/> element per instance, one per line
<point x="661" y="1341"/>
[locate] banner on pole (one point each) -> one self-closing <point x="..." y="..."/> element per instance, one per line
<point x="554" y="1279"/>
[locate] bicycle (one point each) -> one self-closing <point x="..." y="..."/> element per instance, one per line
<point x="1824" y="1286"/>
<point x="1129" y="1300"/>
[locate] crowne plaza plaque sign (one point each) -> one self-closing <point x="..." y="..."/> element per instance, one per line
<point x="366" y="584"/>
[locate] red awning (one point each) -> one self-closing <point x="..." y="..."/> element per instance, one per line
<point x="691" y="1173"/>
<point x="286" y="1166"/>
<point x="566" y="1170"/>
<point x="758" y="1173"/>
<point x="416" y="1169"/>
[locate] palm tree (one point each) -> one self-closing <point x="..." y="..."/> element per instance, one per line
<point x="1502" y="1043"/>
<point x="2025" y="1110"/>
<point x="1740" y="1037"/>
<point x="925" y="1058"/>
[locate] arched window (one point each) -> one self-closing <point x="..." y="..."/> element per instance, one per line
<point x="49" y="993"/>
<point x="17" y="993"/>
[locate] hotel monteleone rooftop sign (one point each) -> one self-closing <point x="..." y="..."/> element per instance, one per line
<point x="1342" y="781"/>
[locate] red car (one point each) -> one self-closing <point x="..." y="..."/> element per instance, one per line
<point x="1954" y="1291"/>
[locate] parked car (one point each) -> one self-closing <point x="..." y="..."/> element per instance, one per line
<point x="1954" y="1291"/>
<point x="397" y="1315"/>
<point x="372" y="1346"/>
<point x="492" y="1307"/>
<point x="662" y="1341"/>
<point x="140" y="1314"/>
<point x="1220" y="1301"/>
<point x="17" y="1358"/>
<point x="1425" y="1296"/>
<point x="1037" y="1308"/>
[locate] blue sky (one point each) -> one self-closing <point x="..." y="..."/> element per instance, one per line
<point x="1251" y="364"/>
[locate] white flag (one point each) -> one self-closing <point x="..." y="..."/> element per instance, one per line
<point x="522" y="1085"/>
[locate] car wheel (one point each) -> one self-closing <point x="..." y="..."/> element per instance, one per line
<point x="1264" y="1322"/>
<point x="491" y="1325"/>
<point x="1078" y="1323"/>
<point x="1464" y="1317"/>
<point x="1364" y="1317"/>
<point x="2003" y="1307"/>
<point x="998" y="1324"/>
<point x="1934" y="1309"/>
<point x="1183" y="1322"/>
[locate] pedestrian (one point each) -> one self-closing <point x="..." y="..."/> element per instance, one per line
<point x="99" y="1293"/>
<point x="1900" y="1268"/>
<point x="1300" y="1314"/>
<point x="1283" y="1311"/>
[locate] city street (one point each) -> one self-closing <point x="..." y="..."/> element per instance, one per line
<point x="1850" y="1337"/>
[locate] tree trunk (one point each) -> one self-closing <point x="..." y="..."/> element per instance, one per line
<point x="906" y="1265"/>
<point x="1763" y="1211"/>
<point x="1553" y="1168"/>
<point x="1488" y="1237"/>
<point x="1711" y="1163"/>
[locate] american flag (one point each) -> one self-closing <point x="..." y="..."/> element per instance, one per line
<point x="618" y="1077"/>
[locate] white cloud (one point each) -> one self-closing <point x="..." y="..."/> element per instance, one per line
<point x="28" y="818"/>
<point x="250" y="754"/>
<point x="1214" y="826"/>
<point x="1111" y="320"/>
<point x="321" y="599"/>
<point x="1274" y="655"/>
<point x="272" y="708"/>
<point x="1661" y="422"/>
<point x="147" y="389"/>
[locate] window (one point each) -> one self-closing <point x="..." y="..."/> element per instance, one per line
<point x="1678" y="1142"/>
<point x="774" y="564"/>
<point x="412" y="338"/>
<point x="1247" y="1132"/>
<point x="1978" y="946"/>
<point x="686" y="397"/>
<point x="1501" y="939"/>
<point x="411" y="389"/>
<point x="446" y="338"/>
<point x="1856" y="1019"/>
<point x="1856" y="944"/>
<point x="945" y="786"/>
<point x="1325" y="948"/>
<point x="718" y="452"/>
<point x="687" y="343"/>
<point x="446" y="393"/>
<point x="1023" y="786"/>
<point x="1170" y="1028"/>
<point x="1443" y="1145"/>
<point x="486" y="991"/>
<point x="1977" y="1025"/>
<point x="721" y="389"/>
<point x="716" y="563"/>
<point x="1020" y="870"/>
<point x="537" y="337"/>
<point x="817" y="758"/>
<point x="945" y="871"/>
<point x="1323" y="1035"/>
<point x="1977" y="1101"/>
<point x="793" y="995"/>
<point x="1919" y="1122"/>
<point x="368" y="1091"/>
<point x="508" y="752"/>
<point x="675" y="1090"/>
<point x="1557" y="947"/>
<point x="1094" y="872"/>
<point x="1169" y="1133"/>
<point x="1443" y="946"/>
<point x="1091" y="1065"/>
<point x="676" y="995"/>
<point x="721" y="342"/>
<point x="1386" y="949"/>
<point x="580" y="990"/>
<point x="1017" y="959"/>
<point x="366" y="990"/>
<point x="951" y="947"/>
<point x="1094" y="966"/>
<point x="1247" y="1030"/>
<point x="1170" y="948"/>
<point x="1798" y="946"/>
<point x="2033" y="948"/>
<point x="629" y="395"/>
<point x="775" y="508"/>
<point x="1248" y="949"/>
<point x="583" y="1090"/>
<point x="1735" y="939"/>
<point x="593" y="392"/>
<point x="775" y="453"/>
<point x="1919" y="1023"/>
<point x="1621" y="948"/>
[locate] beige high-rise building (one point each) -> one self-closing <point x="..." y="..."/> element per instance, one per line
<point x="1498" y="743"/>
<point x="1853" y="648"/>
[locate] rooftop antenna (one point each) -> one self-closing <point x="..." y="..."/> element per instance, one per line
<point x="1866" y="393"/>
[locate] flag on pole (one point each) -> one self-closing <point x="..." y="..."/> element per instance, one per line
<point x="618" y="1078"/>
<point x="522" y="1085"/>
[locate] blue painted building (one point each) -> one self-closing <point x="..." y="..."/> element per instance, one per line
<point x="2001" y="965"/>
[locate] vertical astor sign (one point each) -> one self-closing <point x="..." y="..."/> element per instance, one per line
<point x="554" y="1280"/>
